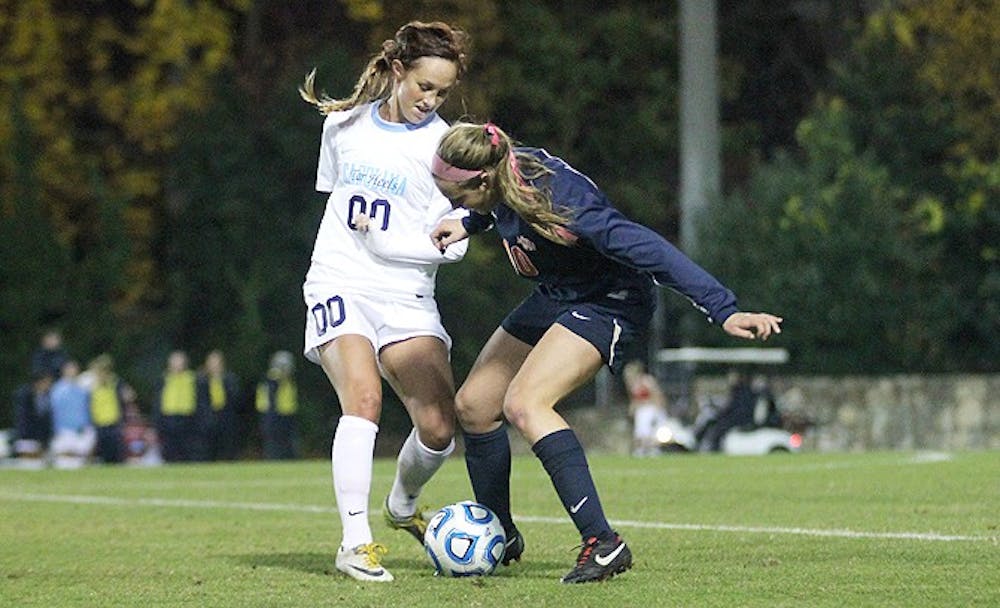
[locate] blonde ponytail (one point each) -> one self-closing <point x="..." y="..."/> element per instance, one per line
<point x="488" y="147"/>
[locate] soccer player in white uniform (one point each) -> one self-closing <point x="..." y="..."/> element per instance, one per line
<point x="369" y="292"/>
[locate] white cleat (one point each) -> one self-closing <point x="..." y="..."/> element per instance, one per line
<point x="364" y="563"/>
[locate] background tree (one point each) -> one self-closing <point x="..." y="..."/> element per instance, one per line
<point x="95" y="91"/>
<point x="878" y="240"/>
<point x="157" y="166"/>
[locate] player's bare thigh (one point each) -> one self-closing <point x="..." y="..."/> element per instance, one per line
<point x="419" y="372"/>
<point x="559" y="364"/>
<point x="349" y="363"/>
<point x="480" y="399"/>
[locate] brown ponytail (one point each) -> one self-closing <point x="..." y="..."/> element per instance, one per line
<point x="411" y="42"/>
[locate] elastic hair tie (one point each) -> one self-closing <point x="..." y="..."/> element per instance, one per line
<point x="493" y="132"/>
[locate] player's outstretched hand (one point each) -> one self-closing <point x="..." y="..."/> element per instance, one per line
<point x="752" y="325"/>
<point x="448" y="231"/>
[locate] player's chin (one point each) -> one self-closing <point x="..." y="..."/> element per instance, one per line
<point x="417" y="116"/>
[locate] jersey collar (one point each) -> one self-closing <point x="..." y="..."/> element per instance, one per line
<point x="397" y="126"/>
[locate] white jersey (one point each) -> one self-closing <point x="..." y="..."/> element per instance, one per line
<point x="381" y="169"/>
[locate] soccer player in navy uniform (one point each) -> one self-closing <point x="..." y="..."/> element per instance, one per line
<point x="596" y="271"/>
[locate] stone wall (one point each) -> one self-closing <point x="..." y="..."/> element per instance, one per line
<point x="933" y="412"/>
<point x="926" y="412"/>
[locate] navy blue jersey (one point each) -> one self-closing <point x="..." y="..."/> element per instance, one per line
<point x="610" y="255"/>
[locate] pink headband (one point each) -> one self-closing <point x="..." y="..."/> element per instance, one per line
<point x="451" y="173"/>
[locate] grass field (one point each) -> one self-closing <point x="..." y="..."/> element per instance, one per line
<point x="882" y="529"/>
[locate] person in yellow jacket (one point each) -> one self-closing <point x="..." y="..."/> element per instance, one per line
<point x="218" y="405"/>
<point x="106" y="413"/>
<point x="277" y="404"/>
<point x="176" y="407"/>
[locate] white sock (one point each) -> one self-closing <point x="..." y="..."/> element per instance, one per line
<point x="352" y="454"/>
<point x="415" y="466"/>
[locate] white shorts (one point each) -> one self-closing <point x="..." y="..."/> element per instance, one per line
<point x="330" y="314"/>
<point x="74" y="443"/>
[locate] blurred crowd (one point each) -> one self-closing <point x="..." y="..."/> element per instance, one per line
<point x="69" y="415"/>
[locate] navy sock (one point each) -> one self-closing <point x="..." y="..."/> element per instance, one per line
<point x="563" y="458"/>
<point x="487" y="458"/>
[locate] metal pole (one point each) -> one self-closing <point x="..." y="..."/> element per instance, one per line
<point x="700" y="173"/>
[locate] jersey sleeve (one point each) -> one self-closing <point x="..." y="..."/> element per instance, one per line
<point x="641" y="248"/>
<point x="326" y="169"/>
<point x="416" y="247"/>
<point x="441" y="209"/>
<point x="474" y="223"/>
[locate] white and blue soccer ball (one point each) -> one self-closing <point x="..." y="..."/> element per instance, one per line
<point x="464" y="539"/>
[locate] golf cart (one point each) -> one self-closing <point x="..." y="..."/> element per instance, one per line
<point x="761" y="431"/>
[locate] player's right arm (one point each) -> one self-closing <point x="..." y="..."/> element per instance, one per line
<point x="453" y="230"/>
<point x="409" y="249"/>
<point x="411" y="245"/>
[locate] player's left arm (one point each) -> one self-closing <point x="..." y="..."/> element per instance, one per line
<point x="641" y="248"/>
<point x="752" y="325"/>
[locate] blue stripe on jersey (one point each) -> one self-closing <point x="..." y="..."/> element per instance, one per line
<point x="397" y="126"/>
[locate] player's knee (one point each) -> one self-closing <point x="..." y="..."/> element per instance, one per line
<point x="464" y="409"/>
<point x="437" y="441"/>
<point x="437" y="433"/>
<point x="516" y="409"/>
<point x="365" y="404"/>
<point x="471" y="414"/>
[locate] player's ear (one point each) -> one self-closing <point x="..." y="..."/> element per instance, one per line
<point x="486" y="182"/>
<point x="398" y="69"/>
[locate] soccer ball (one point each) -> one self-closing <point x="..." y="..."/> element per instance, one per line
<point x="464" y="539"/>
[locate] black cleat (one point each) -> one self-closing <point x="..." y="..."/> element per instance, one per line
<point x="513" y="548"/>
<point x="599" y="560"/>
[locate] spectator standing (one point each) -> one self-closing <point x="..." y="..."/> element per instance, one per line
<point x="277" y="406"/>
<point x="106" y="398"/>
<point x="218" y="400"/>
<point x="74" y="437"/>
<point x="33" y="417"/>
<point x="176" y="408"/>
<point x="647" y="406"/>
<point x="50" y="354"/>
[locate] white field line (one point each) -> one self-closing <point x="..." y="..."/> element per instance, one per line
<point x="649" y="525"/>
<point x="929" y="457"/>
<point x="652" y="525"/>
<point x="79" y="499"/>
<point x="918" y="458"/>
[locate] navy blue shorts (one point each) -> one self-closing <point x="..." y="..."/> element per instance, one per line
<point x="615" y="325"/>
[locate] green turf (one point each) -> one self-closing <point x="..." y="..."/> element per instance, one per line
<point x="883" y="529"/>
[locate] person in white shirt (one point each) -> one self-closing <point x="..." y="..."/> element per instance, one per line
<point x="369" y="291"/>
